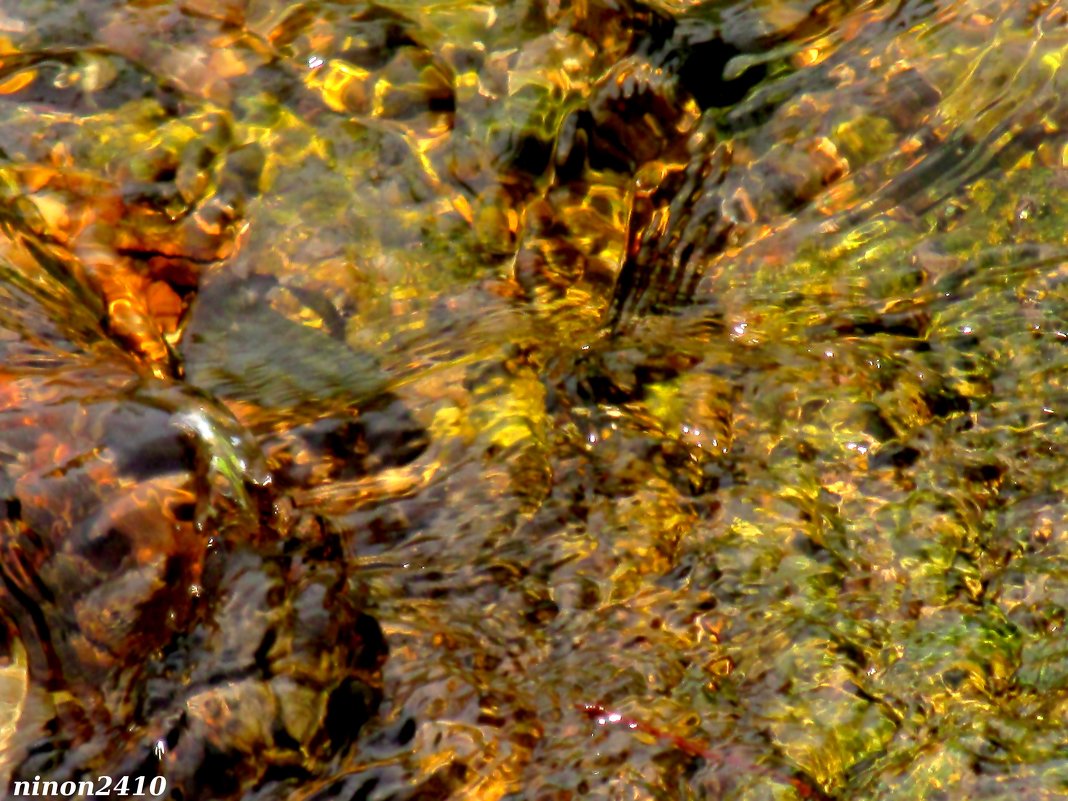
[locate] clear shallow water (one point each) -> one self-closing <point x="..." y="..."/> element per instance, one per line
<point x="703" y="362"/>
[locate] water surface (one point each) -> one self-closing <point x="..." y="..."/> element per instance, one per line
<point x="680" y="387"/>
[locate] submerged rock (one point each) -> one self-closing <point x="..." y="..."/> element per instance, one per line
<point x="177" y="621"/>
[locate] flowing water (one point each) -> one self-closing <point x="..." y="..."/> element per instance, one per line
<point x="533" y="399"/>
